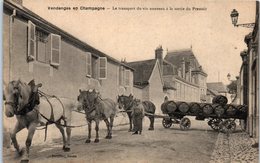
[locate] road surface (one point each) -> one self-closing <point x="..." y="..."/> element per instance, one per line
<point x="160" y="145"/>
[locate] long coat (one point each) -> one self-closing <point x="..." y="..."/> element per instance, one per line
<point x="137" y="115"/>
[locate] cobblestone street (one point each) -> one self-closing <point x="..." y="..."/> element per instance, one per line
<point x="234" y="147"/>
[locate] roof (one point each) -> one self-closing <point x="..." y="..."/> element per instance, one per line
<point x="185" y="81"/>
<point x="169" y="69"/>
<point x="168" y="83"/>
<point x="212" y="92"/>
<point x="176" y="57"/>
<point x="39" y="21"/>
<point x="217" y="86"/>
<point x="143" y="71"/>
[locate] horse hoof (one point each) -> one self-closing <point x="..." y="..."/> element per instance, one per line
<point x="25" y="159"/>
<point x="66" y="149"/>
<point x="96" y="141"/>
<point x="150" y="128"/>
<point x="87" y="141"/>
<point x="108" y="137"/>
<point x="130" y="130"/>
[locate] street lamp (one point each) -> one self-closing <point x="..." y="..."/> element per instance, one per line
<point x="234" y="17"/>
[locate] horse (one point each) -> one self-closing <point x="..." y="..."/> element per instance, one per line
<point x="127" y="102"/>
<point x="97" y="109"/>
<point x="32" y="110"/>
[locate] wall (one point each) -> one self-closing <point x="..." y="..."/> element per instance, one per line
<point x="186" y="92"/>
<point x="137" y="93"/>
<point x="71" y="73"/>
<point x="156" y="94"/>
<point x="6" y="32"/>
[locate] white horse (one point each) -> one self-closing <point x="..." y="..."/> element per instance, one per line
<point x="31" y="111"/>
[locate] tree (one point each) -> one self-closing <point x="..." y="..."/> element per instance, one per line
<point x="232" y="87"/>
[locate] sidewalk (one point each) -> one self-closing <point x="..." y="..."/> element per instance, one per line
<point x="234" y="147"/>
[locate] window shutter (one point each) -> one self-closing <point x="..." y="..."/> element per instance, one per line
<point x="102" y="67"/>
<point x="31" y="41"/>
<point x="122" y="76"/>
<point x="127" y="77"/>
<point x="88" y="64"/>
<point x="55" y="49"/>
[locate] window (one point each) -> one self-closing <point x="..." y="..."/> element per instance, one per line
<point x="88" y="64"/>
<point x="55" y="42"/>
<point x="102" y="67"/>
<point x="31" y="41"/>
<point x="41" y="41"/>
<point x="127" y="77"/>
<point x="43" y="46"/>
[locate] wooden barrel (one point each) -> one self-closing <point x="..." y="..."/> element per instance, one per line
<point x="242" y="111"/>
<point x="206" y="108"/>
<point x="218" y="109"/>
<point x="168" y="107"/>
<point x="183" y="106"/>
<point x="231" y="109"/>
<point x="195" y="108"/>
<point x="164" y="108"/>
<point x="220" y="99"/>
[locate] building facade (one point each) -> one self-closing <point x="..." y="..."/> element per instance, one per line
<point x="148" y="83"/>
<point x="37" y="49"/>
<point x="188" y="77"/>
<point x="249" y="80"/>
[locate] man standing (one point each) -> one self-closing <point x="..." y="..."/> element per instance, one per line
<point x="137" y="115"/>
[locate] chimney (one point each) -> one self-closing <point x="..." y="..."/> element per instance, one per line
<point x="183" y="68"/>
<point x="159" y="52"/>
<point x="19" y="2"/>
<point x="159" y="56"/>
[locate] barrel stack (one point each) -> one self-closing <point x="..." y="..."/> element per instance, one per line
<point x="218" y="108"/>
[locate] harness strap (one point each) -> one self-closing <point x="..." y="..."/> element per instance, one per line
<point x="52" y="114"/>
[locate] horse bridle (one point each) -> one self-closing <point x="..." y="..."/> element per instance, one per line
<point x="14" y="103"/>
<point x="130" y="104"/>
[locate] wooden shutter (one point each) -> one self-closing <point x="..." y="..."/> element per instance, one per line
<point x="102" y="67"/>
<point x="55" y="49"/>
<point x="88" y="64"/>
<point x="121" y="75"/>
<point x="31" y="41"/>
<point x="127" y="77"/>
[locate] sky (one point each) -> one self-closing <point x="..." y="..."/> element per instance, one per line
<point x="135" y="34"/>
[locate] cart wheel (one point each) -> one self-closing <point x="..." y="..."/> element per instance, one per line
<point x="215" y="124"/>
<point x="228" y="126"/>
<point x="167" y="123"/>
<point x="185" y="123"/>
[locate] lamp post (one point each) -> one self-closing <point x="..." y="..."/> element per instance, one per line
<point x="234" y="17"/>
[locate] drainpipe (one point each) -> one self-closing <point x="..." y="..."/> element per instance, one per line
<point x="11" y="42"/>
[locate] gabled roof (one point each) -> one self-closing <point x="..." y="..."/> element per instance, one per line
<point x="176" y="57"/>
<point x="217" y="86"/>
<point x="39" y="21"/>
<point x="169" y="69"/>
<point x="143" y="71"/>
<point x="212" y="92"/>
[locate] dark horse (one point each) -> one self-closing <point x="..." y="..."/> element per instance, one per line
<point x="23" y="101"/>
<point x="127" y="102"/>
<point x="97" y="109"/>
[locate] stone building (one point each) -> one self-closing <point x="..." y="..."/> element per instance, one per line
<point x="188" y="76"/>
<point x="34" y="48"/>
<point x="249" y="79"/>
